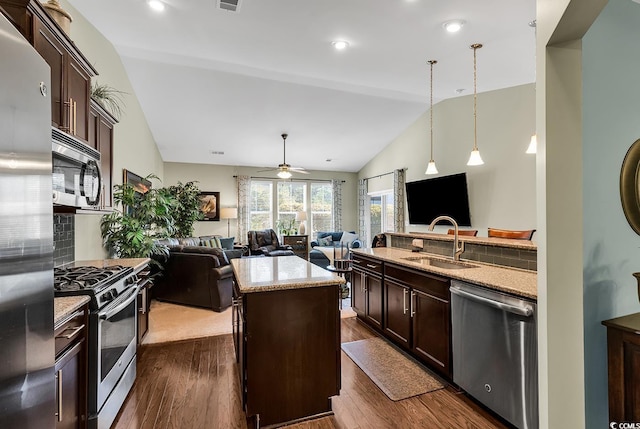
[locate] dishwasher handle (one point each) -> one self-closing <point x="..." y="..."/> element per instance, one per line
<point x="525" y="310"/>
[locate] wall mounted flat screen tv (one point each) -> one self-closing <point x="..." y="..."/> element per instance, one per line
<point x="446" y="195"/>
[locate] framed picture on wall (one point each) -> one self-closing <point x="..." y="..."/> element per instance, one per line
<point x="140" y="184"/>
<point x="210" y="205"/>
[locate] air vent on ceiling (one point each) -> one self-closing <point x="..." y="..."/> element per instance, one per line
<point x="217" y="152"/>
<point x="230" y="5"/>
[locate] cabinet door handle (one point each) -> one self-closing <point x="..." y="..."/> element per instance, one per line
<point x="59" y="389"/>
<point x="404" y="300"/>
<point x="72" y="333"/>
<point x="373" y="267"/>
<point x="413" y="304"/>
<point x="75" y="117"/>
<point x="69" y="127"/>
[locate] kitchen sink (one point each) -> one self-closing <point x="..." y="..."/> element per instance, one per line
<point x="440" y="263"/>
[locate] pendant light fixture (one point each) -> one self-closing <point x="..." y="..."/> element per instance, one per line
<point x="431" y="167"/>
<point x="533" y="145"/>
<point x="475" y="158"/>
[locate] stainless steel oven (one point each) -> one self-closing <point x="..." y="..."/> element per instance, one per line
<point x="112" y="339"/>
<point x="113" y="368"/>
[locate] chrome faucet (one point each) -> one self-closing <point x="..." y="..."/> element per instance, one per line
<point x="458" y="246"/>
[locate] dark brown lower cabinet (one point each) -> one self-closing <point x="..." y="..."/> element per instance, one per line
<point x="288" y="345"/>
<point x="366" y="285"/>
<point x="623" y="354"/>
<point x="417" y="315"/>
<point x="144" y="303"/>
<point x="71" y="372"/>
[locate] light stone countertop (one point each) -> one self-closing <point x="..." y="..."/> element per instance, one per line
<point x="280" y="273"/>
<point x="510" y="280"/>
<point x="63" y="307"/>
<point x="136" y="263"/>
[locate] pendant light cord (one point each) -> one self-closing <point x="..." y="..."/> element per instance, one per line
<point x="475" y="47"/>
<point x="431" y="63"/>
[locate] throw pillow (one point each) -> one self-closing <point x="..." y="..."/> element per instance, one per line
<point x="227" y="243"/>
<point x="213" y="242"/>
<point x="348" y="238"/>
<point x="326" y="241"/>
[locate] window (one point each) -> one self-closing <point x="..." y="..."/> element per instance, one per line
<point x="381" y="213"/>
<point x="290" y="197"/>
<point x="261" y="205"/>
<point x="321" y="207"/>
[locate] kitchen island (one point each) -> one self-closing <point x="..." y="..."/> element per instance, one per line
<point x="286" y="323"/>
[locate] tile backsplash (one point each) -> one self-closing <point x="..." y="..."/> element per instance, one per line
<point x="63" y="239"/>
<point x="517" y="258"/>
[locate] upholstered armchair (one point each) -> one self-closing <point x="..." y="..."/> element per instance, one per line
<point x="266" y="243"/>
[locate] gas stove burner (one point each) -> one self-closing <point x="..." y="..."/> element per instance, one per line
<point x="87" y="277"/>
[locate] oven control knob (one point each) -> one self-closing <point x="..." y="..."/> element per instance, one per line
<point x="131" y="280"/>
<point x="108" y="296"/>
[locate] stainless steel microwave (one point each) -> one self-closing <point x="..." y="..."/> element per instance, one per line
<point x="77" y="181"/>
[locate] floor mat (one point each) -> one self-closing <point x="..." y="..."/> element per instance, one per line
<point x="395" y="374"/>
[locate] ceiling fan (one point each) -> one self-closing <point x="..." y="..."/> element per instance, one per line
<point x="284" y="170"/>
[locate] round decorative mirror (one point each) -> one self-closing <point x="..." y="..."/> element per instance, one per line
<point x="630" y="186"/>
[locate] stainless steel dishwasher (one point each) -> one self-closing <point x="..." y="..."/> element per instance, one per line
<point x="495" y="351"/>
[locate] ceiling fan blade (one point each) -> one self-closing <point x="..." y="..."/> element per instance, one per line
<point x="299" y="170"/>
<point x="268" y="169"/>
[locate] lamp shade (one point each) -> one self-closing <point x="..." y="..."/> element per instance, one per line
<point x="229" y="213"/>
<point x="300" y="216"/>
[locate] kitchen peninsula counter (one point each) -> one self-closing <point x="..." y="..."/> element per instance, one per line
<point x="510" y="280"/>
<point x="280" y="273"/>
<point x="286" y="323"/>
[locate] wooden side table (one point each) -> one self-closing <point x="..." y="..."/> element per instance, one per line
<point x="623" y="355"/>
<point x="299" y="243"/>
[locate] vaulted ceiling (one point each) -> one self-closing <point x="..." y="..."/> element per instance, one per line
<point x="211" y="80"/>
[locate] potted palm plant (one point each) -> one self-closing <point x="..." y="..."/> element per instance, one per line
<point x="185" y="209"/>
<point x="137" y="222"/>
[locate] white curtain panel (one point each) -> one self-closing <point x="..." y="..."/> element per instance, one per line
<point x="337" y="205"/>
<point x="398" y="199"/>
<point x="362" y="211"/>
<point x="244" y="193"/>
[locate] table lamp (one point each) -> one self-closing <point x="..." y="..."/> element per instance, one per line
<point x="228" y="213"/>
<point x="302" y="218"/>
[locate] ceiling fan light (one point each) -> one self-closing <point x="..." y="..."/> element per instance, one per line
<point x="284" y="174"/>
<point x="431" y="168"/>
<point x="475" y="158"/>
<point x="533" y="145"/>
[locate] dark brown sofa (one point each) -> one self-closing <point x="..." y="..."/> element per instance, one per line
<point x="195" y="275"/>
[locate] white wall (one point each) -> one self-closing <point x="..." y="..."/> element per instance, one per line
<point x="220" y="178"/>
<point x="502" y="191"/>
<point x="611" y="60"/>
<point x="134" y="147"/>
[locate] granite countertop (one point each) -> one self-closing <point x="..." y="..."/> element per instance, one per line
<point x="510" y="280"/>
<point x="64" y="307"/>
<point x="136" y="263"/>
<point x="487" y="241"/>
<point x="280" y="273"/>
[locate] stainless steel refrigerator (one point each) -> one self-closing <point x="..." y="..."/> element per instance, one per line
<point x="27" y="381"/>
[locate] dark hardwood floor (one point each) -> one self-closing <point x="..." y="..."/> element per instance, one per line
<point x="194" y="384"/>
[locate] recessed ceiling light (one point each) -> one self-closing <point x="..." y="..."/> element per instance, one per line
<point x="454" y="25"/>
<point x="340" y="44"/>
<point x="156" y="5"/>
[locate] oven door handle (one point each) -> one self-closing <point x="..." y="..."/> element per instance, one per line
<point x="124" y="303"/>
